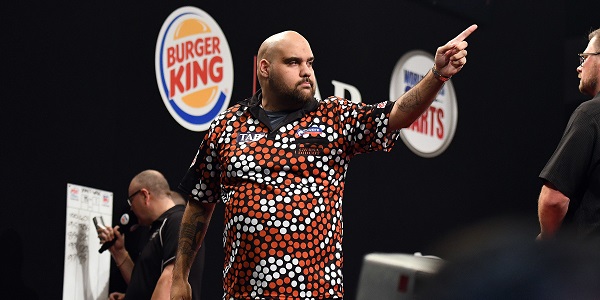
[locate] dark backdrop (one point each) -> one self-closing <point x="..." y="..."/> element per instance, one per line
<point x="81" y="106"/>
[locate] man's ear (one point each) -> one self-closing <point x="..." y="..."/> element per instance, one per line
<point x="263" y="68"/>
<point x="146" y="194"/>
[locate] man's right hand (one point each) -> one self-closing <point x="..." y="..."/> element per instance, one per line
<point x="181" y="290"/>
<point x="116" y="296"/>
<point x="108" y="233"/>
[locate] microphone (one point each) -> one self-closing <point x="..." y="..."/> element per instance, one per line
<point x="127" y="224"/>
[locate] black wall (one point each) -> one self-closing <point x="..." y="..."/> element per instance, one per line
<point x="81" y="105"/>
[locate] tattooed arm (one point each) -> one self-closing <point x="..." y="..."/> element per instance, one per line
<point x="193" y="228"/>
<point x="414" y="102"/>
<point x="449" y="60"/>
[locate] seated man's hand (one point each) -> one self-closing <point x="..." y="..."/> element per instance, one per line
<point x="116" y="296"/>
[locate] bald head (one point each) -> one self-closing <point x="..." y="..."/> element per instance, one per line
<point x="152" y="180"/>
<point x="277" y="47"/>
<point x="279" y="42"/>
<point x="284" y="68"/>
<point x="150" y="196"/>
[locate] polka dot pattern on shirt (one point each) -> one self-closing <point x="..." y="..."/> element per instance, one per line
<point x="283" y="195"/>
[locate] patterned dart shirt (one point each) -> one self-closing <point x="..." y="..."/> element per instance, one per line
<point x="282" y="189"/>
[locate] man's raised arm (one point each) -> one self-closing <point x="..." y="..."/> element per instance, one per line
<point x="449" y="60"/>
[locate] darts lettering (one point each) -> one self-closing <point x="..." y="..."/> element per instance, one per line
<point x="430" y="123"/>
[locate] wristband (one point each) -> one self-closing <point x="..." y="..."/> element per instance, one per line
<point x="439" y="76"/>
<point x="124" y="260"/>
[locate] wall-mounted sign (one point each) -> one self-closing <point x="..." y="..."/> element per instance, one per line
<point x="194" y="68"/>
<point x="430" y="134"/>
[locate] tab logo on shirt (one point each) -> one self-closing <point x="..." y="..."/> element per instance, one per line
<point x="250" y="137"/>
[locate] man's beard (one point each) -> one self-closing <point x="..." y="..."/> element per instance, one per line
<point x="291" y="96"/>
<point x="588" y="86"/>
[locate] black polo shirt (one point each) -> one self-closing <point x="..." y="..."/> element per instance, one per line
<point x="574" y="169"/>
<point x="160" y="251"/>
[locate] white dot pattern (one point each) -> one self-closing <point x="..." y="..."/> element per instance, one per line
<point x="283" y="195"/>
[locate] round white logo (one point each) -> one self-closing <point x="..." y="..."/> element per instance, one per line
<point x="433" y="131"/>
<point x="124" y="219"/>
<point x="194" y="69"/>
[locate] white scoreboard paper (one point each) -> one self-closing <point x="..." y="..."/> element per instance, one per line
<point x="87" y="271"/>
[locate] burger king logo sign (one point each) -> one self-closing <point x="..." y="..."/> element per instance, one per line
<point x="194" y="69"/>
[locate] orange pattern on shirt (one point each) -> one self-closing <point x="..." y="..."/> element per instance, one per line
<point x="283" y="194"/>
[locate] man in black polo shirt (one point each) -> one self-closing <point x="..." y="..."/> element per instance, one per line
<point x="152" y="201"/>
<point x="570" y="197"/>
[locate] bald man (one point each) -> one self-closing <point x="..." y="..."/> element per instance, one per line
<point x="277" y="161"/>
<point x="149" y="277"/>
